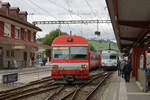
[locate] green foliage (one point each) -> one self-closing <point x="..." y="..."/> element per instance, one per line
<point x="92" y="47"/>
<point x="102" y="45"/>
<point x="48" y="39"/>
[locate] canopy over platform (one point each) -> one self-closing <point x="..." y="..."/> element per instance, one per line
<point x="131" y="23"/>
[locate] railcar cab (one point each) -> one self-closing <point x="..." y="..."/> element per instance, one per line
<point x="70" y="59"/>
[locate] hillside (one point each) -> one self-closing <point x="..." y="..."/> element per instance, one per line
<point x="100" y="45"/>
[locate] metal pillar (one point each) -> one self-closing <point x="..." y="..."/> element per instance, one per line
<point x="136" y="53"/>
<point x="133" y="61"/>
<point x="145" y="54"/>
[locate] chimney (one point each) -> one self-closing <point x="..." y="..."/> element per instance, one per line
<point x="23" y="15"/>
<point x="4" y="8"/>
<point x="13" y="11"/>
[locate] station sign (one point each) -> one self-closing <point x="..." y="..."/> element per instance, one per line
<point x="18" y="47"/>
<point x="10" y="78"/>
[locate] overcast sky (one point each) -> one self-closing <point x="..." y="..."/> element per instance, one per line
<point x="67" y="10"/>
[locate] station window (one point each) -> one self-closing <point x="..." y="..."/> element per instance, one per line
<point x="17" y="33"/>
<point x="12" y="53"/>
<point x="7" y="30"/>
<point x="25" y="35"/>
<point x="7" y="53"/>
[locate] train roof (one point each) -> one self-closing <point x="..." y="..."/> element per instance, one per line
<point x="109" y="52"/>
<point x="70" y="40"/>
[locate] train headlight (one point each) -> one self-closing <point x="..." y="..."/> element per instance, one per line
<point x="55" y="67"/>
<point x="84" y="66"/>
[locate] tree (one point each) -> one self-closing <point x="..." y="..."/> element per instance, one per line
<point x="92" y="47"/>
<point x="48" y="39"/>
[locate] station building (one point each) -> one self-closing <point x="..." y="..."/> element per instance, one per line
<point x="17" y="38"/>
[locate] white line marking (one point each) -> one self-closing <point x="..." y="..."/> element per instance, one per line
<point x="123" y="90"/>
<point x="138" y="93"/>
<point x="115" y="95"/>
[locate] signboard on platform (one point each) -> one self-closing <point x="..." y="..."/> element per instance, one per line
<point x="10" y="78"/>
<point x="18" y="47"/>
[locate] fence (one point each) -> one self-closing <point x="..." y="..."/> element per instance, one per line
<point x="26" y="75"/>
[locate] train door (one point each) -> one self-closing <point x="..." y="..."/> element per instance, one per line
<point x="1" y="57"/>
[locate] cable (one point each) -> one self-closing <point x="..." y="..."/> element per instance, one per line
<point x="70" y="11"/>
<point x="41" y="8"/>
<point x="70" y="15"/>
<point x="90" y="8"/>
<point x="50" y="1"/>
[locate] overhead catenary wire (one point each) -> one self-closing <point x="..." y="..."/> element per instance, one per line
<point x="52" y="2"/>
<point x="41" y="8"/>
<point x="66" y="9"/>
<point x="95" y="15"/>
<point x="69" y="9"/>
<point x="59" y="6"/>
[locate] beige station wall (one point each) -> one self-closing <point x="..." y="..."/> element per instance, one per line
<point x="18" y="60"/>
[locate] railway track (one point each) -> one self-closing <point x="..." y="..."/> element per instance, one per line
<point x="84" y="91"/>
<point x="78" y="92"/>
<point x="56" y="92"/>
<point x="37" y="82"/>
<point x="30" y="87"/>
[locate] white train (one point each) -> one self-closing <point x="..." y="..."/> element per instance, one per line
<point x="109" y="59"/>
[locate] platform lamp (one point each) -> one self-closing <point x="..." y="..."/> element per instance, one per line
<point x="97" y="32"/>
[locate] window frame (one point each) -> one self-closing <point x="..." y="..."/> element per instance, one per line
<point x="63" y="47"/>
<point x="78" y="59"/>
<point x="7" y="30"/>
<point x="17" y="33"/>
<point x="26" y="35"/>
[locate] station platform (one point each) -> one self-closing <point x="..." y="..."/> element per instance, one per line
<point x="118" y="89"/>
<point x="25" y="75"/>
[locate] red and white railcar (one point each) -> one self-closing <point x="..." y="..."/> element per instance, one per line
<point x="71" y="59"/>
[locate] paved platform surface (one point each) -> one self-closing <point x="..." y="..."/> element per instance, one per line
<point x="118" y="89"/>
<point x="25" y="75"/>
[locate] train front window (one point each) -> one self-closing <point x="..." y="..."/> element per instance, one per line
<point x="78" y="53"/>
<point x="105" y="56"/>
<point x="60" y="53"/>
<point x="112" y="56"/>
